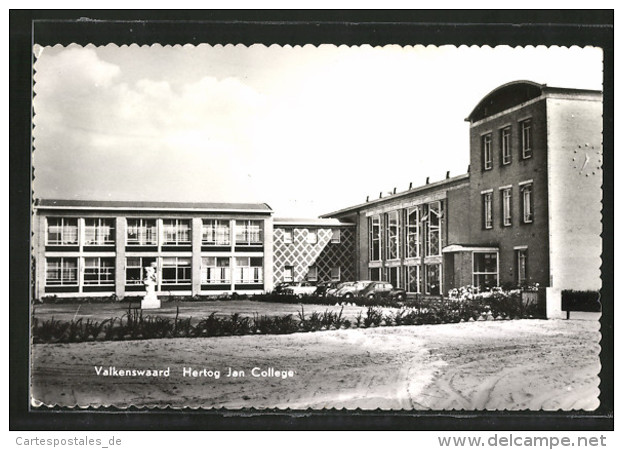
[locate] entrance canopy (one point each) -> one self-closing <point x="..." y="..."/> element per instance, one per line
<point x="455" y="248"/>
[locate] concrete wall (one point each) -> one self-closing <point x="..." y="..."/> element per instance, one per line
<point x="574" y="138"/>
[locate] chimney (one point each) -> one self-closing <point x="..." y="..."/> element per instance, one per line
<point x="427" y="180"/>
<point x="447" y="174"/>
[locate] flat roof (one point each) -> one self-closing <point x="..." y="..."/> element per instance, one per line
<point x="315" y="222"/>
<point x="412" y="191"/>
<point x="151" y="205"/>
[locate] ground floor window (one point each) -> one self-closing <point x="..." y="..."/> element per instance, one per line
<point x="485" y="271"/>
<point x="135" y="268"/>
<point x="312" y="273"/>
<point x="433" y="279"/>
<point x="375" y="274"/>
<point x="288" y="273"/>
<point x="215" y="270"/>
<point x="61" y="271"/>
<point x="99" y="271"/>
<point x="393" y="276"/>
<point x="249" y="270"/>
<point x="335" y="274"/>
<point x="413" y="279"/>
<point x="522" y="267"/>
<point x="176" y="270"/>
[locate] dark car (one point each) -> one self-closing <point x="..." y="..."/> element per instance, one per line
<point x="280" y="287"/>
<point x="384" y="290"/>
<point x="322" y="288"/>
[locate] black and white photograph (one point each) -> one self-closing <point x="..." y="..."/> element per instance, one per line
<point x="318" y="227"/>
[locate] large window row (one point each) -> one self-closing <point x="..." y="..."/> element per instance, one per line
<point x="406" y="233"/>
<point x="414" y="279"/>
<point x="505" y="144"/>
<point x="526" y="206"/>
<point x="144" y="232"/>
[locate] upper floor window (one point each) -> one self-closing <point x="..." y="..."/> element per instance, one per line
<point x="506" y="207"/>
<point x="312" y="237"/>
<point x="505" y="139"/>
<point x="413" y="233"/>
<point x="141" y="232"/>
<point x="374" y="226"/>
<point x="176" y="231"/>
<point x="527" y="208"/>
<point x="248" y="232"/>
<point x="63" y="271"/>
<point x="215" y="232"/>
<point x="335" y="235"/>
<point x="99" y="231"/>
<point x="392" y="235"/>
<point x="487" y="210"/>
<point x="287" y="236"/>
<point x="62" y="231"/>
<point x="487" y="157"/>
<point x="433" y="229"/>
<point x="526" y="139"/>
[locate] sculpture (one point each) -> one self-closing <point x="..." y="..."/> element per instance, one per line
<point x="150" y="301"/>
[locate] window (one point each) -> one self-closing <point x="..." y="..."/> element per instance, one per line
<point x="527" y="213"/>
<point x="287" y="236"/>
<point x="505" y="138"/>
<point x="335" y="235"/>
<point x="413" y="233"/>
<point x="248" y="232"/>
<point x="487" y="210"/>
<point x="526" y="139"/>
<point x="312" y="273"/>
<point x="61" y="271"/>
<point x="215" y="232"/>
<point x="413" y="279"/>
<point x="176" y="231"/>
<point x="506" y="207"/>
<point x="375" y="274"/>
<point x="215" y="270"/>
<point x="374" y="225"/>
<point x="312" y="237"/>
<point x="141" y="232"/>
<point x="288" y="273"/>
<point x="433" y="279"/>
<point x="249" y="270"/>
<point x="487" y="161"/>
<point x="394" y="276"/>
<point x="135" y="268"/>
<point x="99" y="271"/>
<point x="433" y="229"/>
<point x="99" y="231"/>
<point x="485" y="270"/>
<point x="392" y="234"/>
<point x="62" y="231"/>
<point x="335" y="274"/>
<point x="522" y="266"/>
<point x="176" y="270"/>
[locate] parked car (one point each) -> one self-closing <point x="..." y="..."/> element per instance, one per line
<point x="332" y="290"/>
<point x="351" y="290"/>
<point x="300" y="289"/>
<point x="323" y="288"/>
<point x="279" y="287"/>
<point x="384" y="290"/>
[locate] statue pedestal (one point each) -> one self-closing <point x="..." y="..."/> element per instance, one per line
<point x="150" y="301"/>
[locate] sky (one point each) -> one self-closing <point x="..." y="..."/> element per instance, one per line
<point x="307" y="130"/>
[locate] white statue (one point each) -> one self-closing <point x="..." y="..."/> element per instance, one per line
<point x="150" y="301"/>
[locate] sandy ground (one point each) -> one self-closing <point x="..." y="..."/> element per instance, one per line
<point x="524" y="364"/>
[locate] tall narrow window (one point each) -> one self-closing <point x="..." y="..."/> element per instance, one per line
<point x="526" y="139"/>
<point x="433" y="279"/>
<point x="505" y="138"/>
<point x="485" y="270"/>
<point x="99" y="271"/>
<point x="393" y="234"/>
<point x="522" y="267"/>
<point x="61" y="271"/>
<point x="62" y="231"/>
<point x="375" y="274"/>
<point x="249" y="270"/>
<point x="176" y="231"/>
<point x="413" y="279"/>
<point x="374" y="225"/>
<point x="215" y="270"/>
<point x="287" y="236"/>
<point x="527" y="213"/>
<point x="176" y="270"/>
<point x="99" y="231"/>
<point x="487" y="210"/>
<point x="433" y="229"/>
<point x="141" y="232"/>
<point x="248" y="232"/>
<point x="215" y="232"/>
<point x="487" y="157"/>
<point x="413" y="233"/>
<point x="506" y="207"/>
